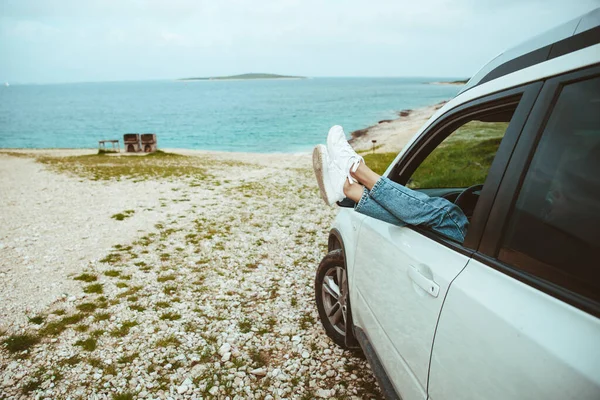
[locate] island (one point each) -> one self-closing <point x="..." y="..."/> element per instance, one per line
<point x="458" y="82"/>
<point x="244" y="77"/>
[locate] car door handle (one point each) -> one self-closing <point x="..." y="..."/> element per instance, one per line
<point x="423" y="282"/>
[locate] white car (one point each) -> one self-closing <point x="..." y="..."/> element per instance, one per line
<point x="513" y="312"/>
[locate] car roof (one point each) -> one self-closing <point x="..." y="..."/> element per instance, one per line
<point x="566" y="38"/>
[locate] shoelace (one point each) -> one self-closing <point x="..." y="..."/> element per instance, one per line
<point x="353" y="168"/>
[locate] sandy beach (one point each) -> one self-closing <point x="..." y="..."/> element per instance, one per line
<point x="192" y="278"/>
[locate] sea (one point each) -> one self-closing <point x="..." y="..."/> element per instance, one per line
<point x="262" y="116"/>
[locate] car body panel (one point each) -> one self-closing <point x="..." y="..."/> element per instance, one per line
<point x="392" y="302"/>
<point x="499" y="338"/>
<point x="347" y="224"/>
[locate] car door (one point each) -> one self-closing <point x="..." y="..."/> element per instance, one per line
<point x="521" y="321"/>
<point x="402" y="274"/>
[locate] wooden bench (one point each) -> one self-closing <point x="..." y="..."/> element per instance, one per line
<point x="102" y="145"/>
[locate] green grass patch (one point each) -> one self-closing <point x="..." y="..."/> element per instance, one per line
<point x="112" y="258"/>
<point x="168" y="341"/>
<point x="85" y="277"/>
<point x="123" y="396"/>
<point x="82" y="328"/>
<point x="462" y="159"/>
<point x="128" y="359"/>
<point x="152" y="166"/>
<point x="170" y="316"/>
<point x="170" y="289"/>
<point x="162" y="304"/>
<point x="379" y="162"/>
<point x="124" y="215"/>
<point x="101" y="316"/>
<point x="137" y="307"/>
<point x="38" y="319"/>
<point x="94" y="288"/>
<point x="55" y="328"/>
<point x="96" y="333"/>
<point x="245" y="326"/>
<point x="165" y="278"/>
<point x="87" y="307"/>
<point x="112" y="273"/>
<point x="88" y="344"/>
<point x="19" y="343"/>
<point x="124" y="329"/>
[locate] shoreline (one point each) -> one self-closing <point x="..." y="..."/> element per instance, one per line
<point x="393" y="134"/>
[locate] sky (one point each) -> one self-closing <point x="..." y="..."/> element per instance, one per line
<point x="51" y="41"/>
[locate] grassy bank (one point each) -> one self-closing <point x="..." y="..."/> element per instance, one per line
<point x="461" y="160"/>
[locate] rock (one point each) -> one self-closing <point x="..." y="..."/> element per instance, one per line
<point x="225" y="348"/>
<point x="214" y="390"/>
<point x="226" y="357"/>
<point x="323" y="393"/>
<point x="197" y="369"/>
<point x="282" y="377"/>
<point x="182" y="389"/>
<point x="330" y="373"/>
<point x="259" y="372"/>
<point x="305" y="354"/>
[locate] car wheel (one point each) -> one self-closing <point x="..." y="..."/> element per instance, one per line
<point x="331" y="292"/>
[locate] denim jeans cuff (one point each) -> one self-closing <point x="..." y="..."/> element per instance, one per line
<point x="376" y="187"/>
<point x="363" y="199"/>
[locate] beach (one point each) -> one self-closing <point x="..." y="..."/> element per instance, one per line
<point x="184" y="275"/>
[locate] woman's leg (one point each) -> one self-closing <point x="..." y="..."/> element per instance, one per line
<point x="413" y="207"/>
<point x="366" y="205"/>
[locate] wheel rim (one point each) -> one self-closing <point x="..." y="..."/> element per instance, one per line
<point x="335" y="291"/>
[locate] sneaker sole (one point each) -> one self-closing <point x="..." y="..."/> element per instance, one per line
<point x="320" y="168"/>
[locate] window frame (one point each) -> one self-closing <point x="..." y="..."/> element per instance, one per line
<point x="524" y="96"/>
<point x="510" y="188"/>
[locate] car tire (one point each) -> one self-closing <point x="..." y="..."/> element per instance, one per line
<point x="331" y="294"/>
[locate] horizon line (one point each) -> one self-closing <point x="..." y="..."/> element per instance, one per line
<point x="183" y="79"/>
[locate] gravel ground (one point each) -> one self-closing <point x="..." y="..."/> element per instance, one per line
<point x="206" y="290"/>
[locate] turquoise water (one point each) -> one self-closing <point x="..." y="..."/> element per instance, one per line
<point x="254" y="116"/>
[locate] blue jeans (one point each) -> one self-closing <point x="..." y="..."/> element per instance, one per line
<point x="391" y="202"/>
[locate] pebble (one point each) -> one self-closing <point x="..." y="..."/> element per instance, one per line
<point x="212" y="349"/>
<point x="225" y="348"/>
<point x="259" y="372"/>
<point x="182" y="389"/>
<point x="323" y="393"/>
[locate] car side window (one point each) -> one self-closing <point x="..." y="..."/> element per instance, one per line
<point x="465" y="156"/>
<point x="554" y="228"/>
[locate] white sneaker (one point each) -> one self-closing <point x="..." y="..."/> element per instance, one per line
<point x="329" y="177"/>
<point x="341" y="153"/>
